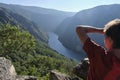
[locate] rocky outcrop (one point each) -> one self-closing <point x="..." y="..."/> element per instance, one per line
<point x="7" y="71"/>
<point x="26" y="77"/>
<point x="81" y="69"/>
<point x="54" y="75"/>
<point x="58" y="76"/>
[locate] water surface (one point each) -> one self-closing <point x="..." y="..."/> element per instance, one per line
<point x="55" y="44"/>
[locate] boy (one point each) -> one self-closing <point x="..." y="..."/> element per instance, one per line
<point x="104" y="64"/>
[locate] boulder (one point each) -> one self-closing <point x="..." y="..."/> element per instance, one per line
<point x="26" y="77"/>
<point x="54" y="75"/>
<point x="81" y="70"/>
<point x="7" y="71"/>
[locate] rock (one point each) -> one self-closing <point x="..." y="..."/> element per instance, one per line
<point x="26" y="78"/>
<point x="81" y="70"/>
<point x="7" y="71"/>
<point x="58" y="76"/>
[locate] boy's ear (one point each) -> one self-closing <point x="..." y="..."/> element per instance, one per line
<point x="110" y="40"/>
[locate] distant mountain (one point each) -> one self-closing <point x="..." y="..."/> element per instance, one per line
<point x="63" y="25"/>
<point x="7" y="16"/>
<point x="48" y="19"/>
<point x="97" y="16"/>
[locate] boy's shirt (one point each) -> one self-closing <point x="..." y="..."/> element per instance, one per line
<point x="103" y="64"/>
<point x="114" y="73"/>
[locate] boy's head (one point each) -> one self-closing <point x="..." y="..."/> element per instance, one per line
<point x="112" y="34"/>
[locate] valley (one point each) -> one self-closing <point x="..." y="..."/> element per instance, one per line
<point x="49" y="36"/>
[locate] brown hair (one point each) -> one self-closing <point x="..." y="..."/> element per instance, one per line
<point x="112" y="29"/>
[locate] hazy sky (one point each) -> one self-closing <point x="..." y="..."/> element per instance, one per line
<point x="64" y="5"/>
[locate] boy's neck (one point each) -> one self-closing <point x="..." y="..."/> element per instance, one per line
<point x="116" y="52"/>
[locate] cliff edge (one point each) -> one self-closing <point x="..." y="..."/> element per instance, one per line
<point x="7" y="71"/>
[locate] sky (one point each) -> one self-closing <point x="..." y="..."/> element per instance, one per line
<point x="63" y="5"/>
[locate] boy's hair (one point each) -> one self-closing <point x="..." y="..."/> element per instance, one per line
<point x="112" y="29"/>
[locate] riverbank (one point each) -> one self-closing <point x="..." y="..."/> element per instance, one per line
<point x="55" y="44"/>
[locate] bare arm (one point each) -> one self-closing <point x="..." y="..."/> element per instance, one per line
<point x="82" y="32"/>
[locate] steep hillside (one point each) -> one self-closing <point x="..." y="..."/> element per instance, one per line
<point x="7" y="16"/>
<point x="97" y="16"/>
<point x="29" y="56"/>
<point x="48" y="19"/>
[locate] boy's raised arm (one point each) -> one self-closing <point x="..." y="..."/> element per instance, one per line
<point x="82" y="32"/>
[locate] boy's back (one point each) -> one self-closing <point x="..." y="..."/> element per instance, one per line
<point x="104" y="64"/>
<point x="101" y="61"/>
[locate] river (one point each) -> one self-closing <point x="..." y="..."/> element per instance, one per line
<point x="55" y="44"/>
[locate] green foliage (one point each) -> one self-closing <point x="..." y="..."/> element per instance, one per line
<point x="30" y="56"/>
<point x="43" y="49"/>
<point x="14" y="40"/>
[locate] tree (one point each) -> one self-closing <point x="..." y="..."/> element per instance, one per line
<point x="15" y="40"/>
